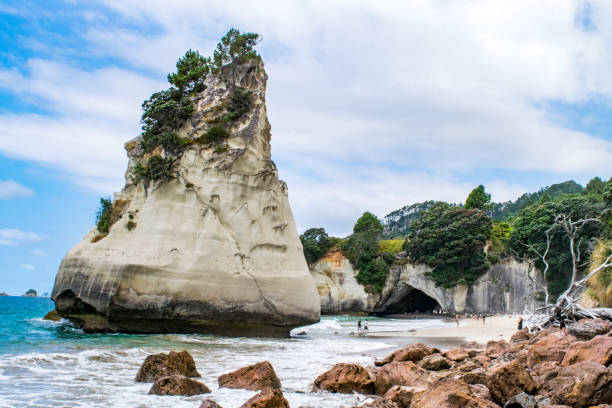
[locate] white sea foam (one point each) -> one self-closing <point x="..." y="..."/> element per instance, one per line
<point x="102" y="375"/>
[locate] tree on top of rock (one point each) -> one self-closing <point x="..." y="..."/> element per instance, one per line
<point x="478" y="199"/>
<point x="235" y="48"/>
<point x="191" y="71"/>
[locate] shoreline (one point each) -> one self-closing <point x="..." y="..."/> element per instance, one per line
<point x="496" y="327"/>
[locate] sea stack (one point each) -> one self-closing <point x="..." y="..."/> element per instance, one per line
<point x="211" y="248"/>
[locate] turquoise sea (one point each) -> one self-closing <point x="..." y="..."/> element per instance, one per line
<point x="54" y="364"/>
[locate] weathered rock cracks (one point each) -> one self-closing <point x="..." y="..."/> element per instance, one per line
<point x="213" y="249"/>
<point x="545" y="369"/>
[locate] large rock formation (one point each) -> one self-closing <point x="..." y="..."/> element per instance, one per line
<point x="505" y="287"/>
<point x="214" y="249"/>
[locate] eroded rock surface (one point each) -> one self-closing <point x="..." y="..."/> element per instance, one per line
<point x="161" y="365"/>
<point x="213" y="250"/>
<point x="346" y="378"/>
<point x="254" y="377"/>
<point x="178" y="385"/>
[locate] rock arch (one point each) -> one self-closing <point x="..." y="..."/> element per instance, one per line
<point x="409" y="288"/>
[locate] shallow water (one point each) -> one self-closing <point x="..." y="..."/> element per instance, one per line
<point x="49" y="364"/>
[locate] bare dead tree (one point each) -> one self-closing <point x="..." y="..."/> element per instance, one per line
<point x="567" y="303"/>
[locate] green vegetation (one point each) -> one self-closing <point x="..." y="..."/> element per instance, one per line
<point x="130" y="225"/>
<point x="103" y="215"/>
<point x="316" y="243"/>
<point x="451" y="241"/>
<point x="362" y="250"/>
<point x="166" y="111"/>
<point x="529" y="235"/>
<point x="156" y="169"/>
<point x="390" y="246"/>
<point x="235" y="48"/>
<point x="478" y="199"/>
<point x="191" y="72"/>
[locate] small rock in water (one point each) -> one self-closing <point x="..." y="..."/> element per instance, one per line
<point x="302" y="333"/>
<point x="160" y="365"/>
<point x="254" y="377"/>
<point x="178" y="385"/>
<point x="267" y="398"/>
<point x="53" y="316"/>
<point x="209" y="404"/>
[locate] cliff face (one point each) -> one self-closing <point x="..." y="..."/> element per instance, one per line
<point x="338" y="288"/>
<point x="214" y="249"/>
<point x="504" y="288"/>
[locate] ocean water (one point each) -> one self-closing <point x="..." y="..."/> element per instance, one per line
<point x="54" y="364"/>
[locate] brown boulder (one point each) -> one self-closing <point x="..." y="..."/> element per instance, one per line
<point x="580" y="385"/>
<point x="161" y="365"/>
<point x="598" y="349"/>
<point x="413" y="352"/>
<point x="402" y="395"/>
<point x="549" y="348"/>
<point x="483" y="360"/>
<point x="346" y="378"/>
<point x="457" y="354"/>
<point x="254" y="377"/>
<point x="497" y="348"/>
<point x="53" y="316"/>
<point x="450" y="393"/>
<point x="434" y="362"/>
<point x="508" y="379"/>
<point x="178" y="385"/>
<point x="404" y="373"/>
<point x="210" y="404"/>
<point x="586" y="329"/>
<point x="268" y="398"/>
<point x="520" y="335"/>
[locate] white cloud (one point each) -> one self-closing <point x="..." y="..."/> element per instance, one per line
<point x="373" y="105"/>
<point x="39" y="252"/>
<point x="10" y="236"/>
<point x="12" y="189"/>
<point x="27" y="267"/>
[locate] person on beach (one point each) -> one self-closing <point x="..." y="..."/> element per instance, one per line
<point x="359" y="326"/>
<point x="457" y="319"/>
<point x="365" y="326"/>
<point x="562" y="325"/>
<point x="483" y="318"/>
<point x="520" y="323"/>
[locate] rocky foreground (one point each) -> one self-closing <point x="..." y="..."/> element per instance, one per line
<point x="545" y="369"/>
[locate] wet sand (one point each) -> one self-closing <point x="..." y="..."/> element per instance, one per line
<point x="495" y="328"/>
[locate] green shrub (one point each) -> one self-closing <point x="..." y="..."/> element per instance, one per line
<point x="103" y="215"/>
<point x="164" y="113"/>
<point x="240" y="103"/>
<point x="157" y="168"/>
<point x="130" y="225"/>
<point x="220" y="148"/>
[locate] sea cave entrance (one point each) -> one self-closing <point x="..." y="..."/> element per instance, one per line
<point x="411" y="301"/>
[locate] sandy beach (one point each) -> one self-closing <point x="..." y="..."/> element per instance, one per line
<point x="496" y="327"/>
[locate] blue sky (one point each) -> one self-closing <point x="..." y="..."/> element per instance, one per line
<point x="373" y="105"/>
